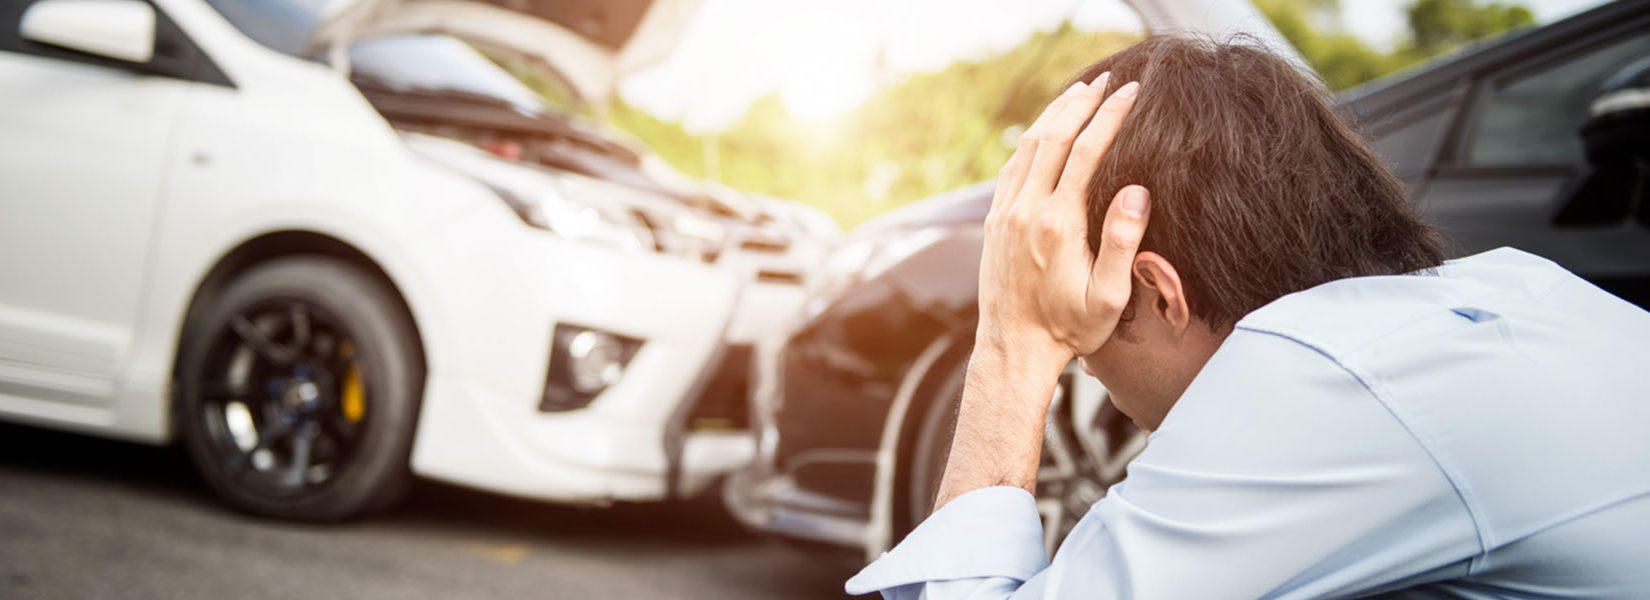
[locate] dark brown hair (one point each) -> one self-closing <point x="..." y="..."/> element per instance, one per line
<point x="1258" y="189"/>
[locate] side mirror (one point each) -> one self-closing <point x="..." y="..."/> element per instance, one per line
<point x="118" y="29"/>
<point x="1617" y="138"/>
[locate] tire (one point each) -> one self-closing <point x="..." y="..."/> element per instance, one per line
<point x="299" y="389"/>
<point x="1078" y="464"/>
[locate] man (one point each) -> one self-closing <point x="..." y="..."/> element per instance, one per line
<point x="1335" y="411"/>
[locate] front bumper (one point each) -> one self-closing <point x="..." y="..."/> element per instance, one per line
<point x="500" y="289"/>
<point x="801" y="494"/>
<point x="822" y="413"/>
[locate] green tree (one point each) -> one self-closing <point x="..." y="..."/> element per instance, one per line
<point x="1437" y="26"/>
<point x="1341" y="59"/>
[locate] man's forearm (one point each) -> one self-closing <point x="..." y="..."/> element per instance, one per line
<point x="999" y="435"/>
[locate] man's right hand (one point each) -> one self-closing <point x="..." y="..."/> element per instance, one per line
<point x="1042" y="295"/>
<point x="1043" y="298"/>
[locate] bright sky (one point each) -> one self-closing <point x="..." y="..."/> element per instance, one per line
<point x="824" y="58"/>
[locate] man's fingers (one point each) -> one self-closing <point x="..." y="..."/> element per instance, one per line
<point x="1013" y="174"/>
<point x="1054" y="141"/>
<point x="1110" y="280"/>
<point x="1009" y="180"/>
<point x="1096" y="139"/>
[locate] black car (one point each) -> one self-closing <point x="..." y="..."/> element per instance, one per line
<point x="1536" y="141"/>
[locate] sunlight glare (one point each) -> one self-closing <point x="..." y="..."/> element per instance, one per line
<point x="828" y="63"/>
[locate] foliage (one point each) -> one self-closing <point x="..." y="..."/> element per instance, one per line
<point x="1435" y="27"/>
<point x="1439" y="25"/>
<point x="930" y="133"/>
<point x="1341" y="59"/>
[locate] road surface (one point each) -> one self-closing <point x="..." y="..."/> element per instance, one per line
<point x="82" y="517"/>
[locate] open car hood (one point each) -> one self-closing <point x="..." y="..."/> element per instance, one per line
<point x="590" y="44"/>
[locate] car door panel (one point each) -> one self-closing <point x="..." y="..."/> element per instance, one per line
<point x="81" y="177"/>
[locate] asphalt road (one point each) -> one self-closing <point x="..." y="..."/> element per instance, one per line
<point x="83" y="517"/>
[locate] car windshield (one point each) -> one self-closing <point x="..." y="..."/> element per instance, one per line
<point x="283" y="25"/>
<point x="439" y="63"/>
<point x="407" y="63"/>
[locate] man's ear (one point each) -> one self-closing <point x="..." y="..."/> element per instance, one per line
<point x="1166" y="297"/>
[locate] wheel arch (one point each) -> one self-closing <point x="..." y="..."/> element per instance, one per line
<point x="277" y="245"/>
<point x="918" y="390"/>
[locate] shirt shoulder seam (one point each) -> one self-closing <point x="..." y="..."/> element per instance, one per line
<point x="1339" y="354"/>
<point x="1463" y="492"/>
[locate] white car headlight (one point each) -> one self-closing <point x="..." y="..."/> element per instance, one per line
<point x="863" y="259"/>
<point x="578" y="221"/>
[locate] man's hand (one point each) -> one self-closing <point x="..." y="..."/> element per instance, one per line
<point x="1041" y="293"/>
<point x="1043" y="298"/>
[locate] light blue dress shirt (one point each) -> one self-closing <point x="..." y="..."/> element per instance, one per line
<point x="1483" y="432"/>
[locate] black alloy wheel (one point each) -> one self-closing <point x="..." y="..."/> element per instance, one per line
<point x="298" y="392"/>
<point x="1079" y="462"/>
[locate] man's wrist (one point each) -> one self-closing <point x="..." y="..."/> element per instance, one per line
<point x="1011" y="383"/>
<point x="1006" y="394"/>
<point x="1017" y="355"/>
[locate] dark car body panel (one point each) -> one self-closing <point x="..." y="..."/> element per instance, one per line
<point x="857" y="353"/>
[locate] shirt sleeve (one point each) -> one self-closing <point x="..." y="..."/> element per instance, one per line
<point x="1278" y="474"/>
<point x="992" y="534"/>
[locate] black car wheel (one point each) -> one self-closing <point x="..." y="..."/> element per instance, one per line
<point x="1087" y="446"/>
<point x="298" y="391"/>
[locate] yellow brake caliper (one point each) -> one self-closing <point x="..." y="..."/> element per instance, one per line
<point x="355" y="397"/>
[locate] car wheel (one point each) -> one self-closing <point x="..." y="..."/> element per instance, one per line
<point x="298" y="391"/>
<point x="1087" y="446"/>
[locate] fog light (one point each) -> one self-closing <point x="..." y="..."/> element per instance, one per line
<point x="584" y="362"/>
<point x="595" y="361"/>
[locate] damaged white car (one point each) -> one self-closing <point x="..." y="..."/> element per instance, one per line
<point x="329" y="245"/>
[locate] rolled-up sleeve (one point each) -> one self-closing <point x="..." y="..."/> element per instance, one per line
<point x="1279" y="474"/>
<point x="991" y="537"/>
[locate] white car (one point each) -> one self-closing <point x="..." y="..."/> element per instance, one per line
<point x="228" y="223"/>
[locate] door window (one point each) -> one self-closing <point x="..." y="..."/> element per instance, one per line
<point x="1534" y="117"/>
